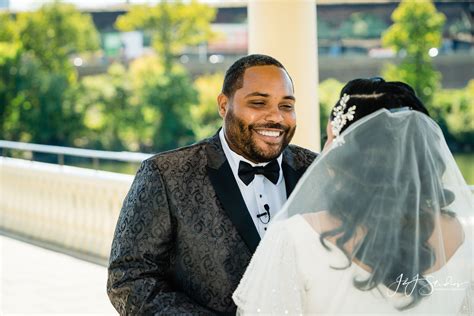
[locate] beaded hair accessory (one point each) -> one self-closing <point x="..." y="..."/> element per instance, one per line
<point x="341" y="118"/>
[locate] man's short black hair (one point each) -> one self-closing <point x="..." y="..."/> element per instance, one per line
<point x="234" y="76"/>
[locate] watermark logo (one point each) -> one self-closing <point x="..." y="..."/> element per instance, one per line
<point x="427" y="285"/>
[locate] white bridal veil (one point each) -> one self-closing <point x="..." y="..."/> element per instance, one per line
<point x="389" y="195"/>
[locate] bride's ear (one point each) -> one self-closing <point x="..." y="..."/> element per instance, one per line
<point x="222" y="102"/>
<point x="329" y="136"/>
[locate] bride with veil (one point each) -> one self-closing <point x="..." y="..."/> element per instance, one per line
<point x="381" y="223"/>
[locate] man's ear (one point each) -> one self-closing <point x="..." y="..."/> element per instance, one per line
<point x="223" y="102"/>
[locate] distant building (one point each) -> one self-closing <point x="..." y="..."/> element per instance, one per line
<point x="344" y="26"/>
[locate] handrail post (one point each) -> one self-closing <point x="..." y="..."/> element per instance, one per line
<point x="95" y="163"/>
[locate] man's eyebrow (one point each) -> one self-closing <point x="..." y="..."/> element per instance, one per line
<point x="266" y="95"/>
<point x="257" y="94"/>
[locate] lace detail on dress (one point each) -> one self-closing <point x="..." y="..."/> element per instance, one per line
<point x="272" y="283"/>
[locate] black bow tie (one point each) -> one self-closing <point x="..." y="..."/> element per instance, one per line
<point x="247" y="173"/>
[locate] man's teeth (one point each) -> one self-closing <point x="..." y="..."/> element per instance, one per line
<point x="269" y="133"/>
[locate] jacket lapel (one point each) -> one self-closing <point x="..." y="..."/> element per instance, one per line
<point x="291" y="171"/>
<point x="291" y="177"/>
<point x="228" y="193"/>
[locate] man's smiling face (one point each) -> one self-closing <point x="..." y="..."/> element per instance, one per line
<point x="260" y="119"/>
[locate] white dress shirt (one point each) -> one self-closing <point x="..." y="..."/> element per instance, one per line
<point x="260" y="191"/>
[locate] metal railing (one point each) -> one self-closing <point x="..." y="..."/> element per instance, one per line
<point x="67" y="209"/>
<point x="95" y="155"/>
<point x="60" y="151"/>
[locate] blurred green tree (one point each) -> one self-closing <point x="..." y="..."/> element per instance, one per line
<point x="328" y="92"/>
<point x="130" y="109"/>
<point x="165" y="99"/>
<point x="417" y="28"/>
<point x="55" y="32"/>
<point x="453" y="109"/>
<point x="10" y="53"/>
<point x="172" y="25"/>
<point x="113" y="121"/>
<point x="40" y="94"/>
<point x="205" y="119"/>
<point x="8" y="31"/>
<point x="163" y="87"/>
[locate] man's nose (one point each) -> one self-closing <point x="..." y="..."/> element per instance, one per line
<point x="274" y="115"/>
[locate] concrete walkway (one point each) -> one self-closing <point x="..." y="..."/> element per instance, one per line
<point x="37" y="281"/>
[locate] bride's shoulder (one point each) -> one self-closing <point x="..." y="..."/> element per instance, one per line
<point x="321" y="221"/>
<point x="287" y="229"/>
<point x="304" y="225"/>
<point x="283" y="226"/>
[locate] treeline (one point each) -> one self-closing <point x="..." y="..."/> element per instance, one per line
<point x="153" y="104"/>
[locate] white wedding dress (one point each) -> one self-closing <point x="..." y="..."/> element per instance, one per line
<point x="299" y="280"/>
<point x="404" y="216"/>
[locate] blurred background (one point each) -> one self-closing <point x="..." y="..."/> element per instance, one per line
<point x="89" y="79"/>
<point x="124" y="75"/>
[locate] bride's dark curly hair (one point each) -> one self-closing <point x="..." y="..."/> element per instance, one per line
<point x="417" y="214"/>
<point x="376" y="94"/>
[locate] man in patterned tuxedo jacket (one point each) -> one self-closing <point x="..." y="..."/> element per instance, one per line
<point x="195" y="215"/>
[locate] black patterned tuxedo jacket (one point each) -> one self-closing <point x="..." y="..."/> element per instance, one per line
<point x="184" y="236"/>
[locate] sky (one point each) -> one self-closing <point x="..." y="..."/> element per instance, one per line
<point x="16" y="5"/>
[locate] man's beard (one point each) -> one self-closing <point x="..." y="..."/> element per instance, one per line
<point x="240" y="135"/>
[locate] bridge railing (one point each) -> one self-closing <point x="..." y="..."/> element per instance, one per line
<point x="66" y="208"/>
<point x="60" y="151"/>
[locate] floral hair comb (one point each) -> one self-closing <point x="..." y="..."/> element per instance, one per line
<point x="341" y="118"/>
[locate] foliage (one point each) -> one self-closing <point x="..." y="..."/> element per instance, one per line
<point x="172" y="25"/>
<point x="111" y="118"/>
<point x="140" y="109"/>
<point x="10" y="53"/>
<point x="56" y="31"/>
<point x="36" y="103"/>
<point x="37" y="90"/>
<point x="146" y="107"/>
<point x="8" y="31"/>
<point x="205" y="119"/>
<point x="165" y="99"/>
<point x="161" y="86"/>
<point x="329" y="91"/>
<point x="153" y="105"/>
<point x="417" y="28"/>
<point x="49" y="103"/>
<point x="453" y="109"/>
<point x="10" y="97"/>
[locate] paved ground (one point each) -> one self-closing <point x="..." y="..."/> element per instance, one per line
<point x="37" y="281"/>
